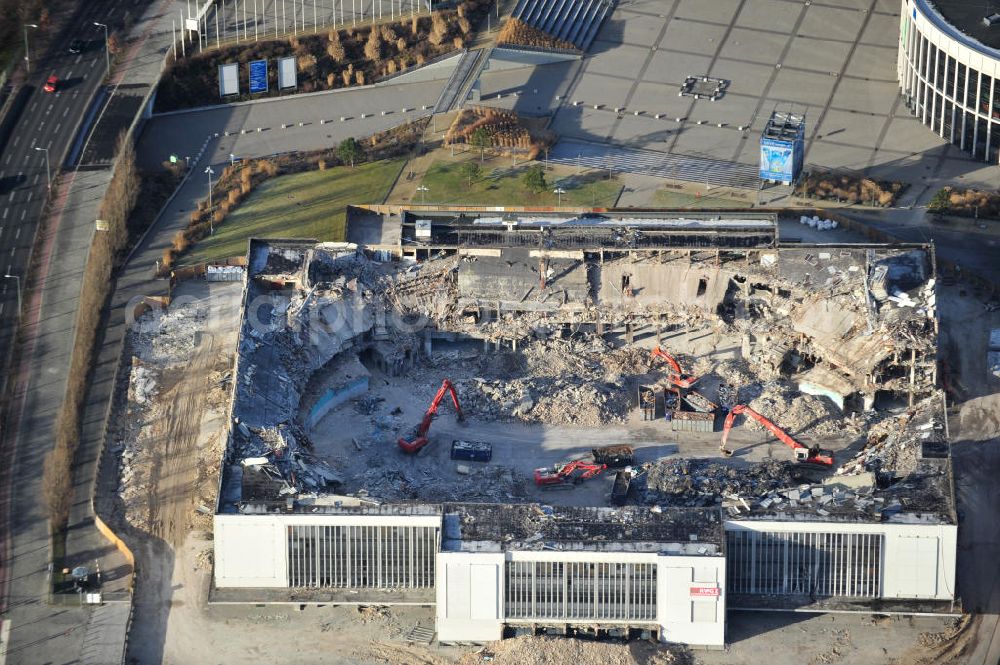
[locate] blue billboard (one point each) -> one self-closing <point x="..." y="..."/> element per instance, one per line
<point x="258" y="76"/>
<point x="780" y="160"/>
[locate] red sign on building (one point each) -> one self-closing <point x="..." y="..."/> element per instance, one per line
<point x="704" y="591"/>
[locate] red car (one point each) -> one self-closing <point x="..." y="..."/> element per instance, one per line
<point x="51" y="84"/>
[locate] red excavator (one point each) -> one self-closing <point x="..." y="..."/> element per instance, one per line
<point x="420" y="435"/>
<point x="563" y="473"/>
<point x="804" y="454"/>
<point x="676" y="376"/>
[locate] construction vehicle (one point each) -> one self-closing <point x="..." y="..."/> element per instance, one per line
<point x="562" y="474"/>
<point x="803" y="454"/>
<point x="614" y="456"/>
<point x="419" y="439"/>
<point x="675" y="376"/>
<point x="619" y="491"/>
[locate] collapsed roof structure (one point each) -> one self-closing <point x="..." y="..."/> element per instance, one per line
<point x="851" y="327"/>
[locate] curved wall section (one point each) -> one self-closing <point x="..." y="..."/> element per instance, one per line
<point x="949" y="80"/>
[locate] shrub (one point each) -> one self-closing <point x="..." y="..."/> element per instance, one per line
<point x="234" y="197"/>
<point x="195" y="216"/>
<point x="321" y="165"/>
<point x="179" y="242"/>
<point x="307" y="63"/>
<point x="373" y="47"/>
<point x="336" y="52"/>
<point x="359" y="76"/>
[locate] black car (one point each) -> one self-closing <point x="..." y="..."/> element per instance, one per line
<point x="77" y="46"/>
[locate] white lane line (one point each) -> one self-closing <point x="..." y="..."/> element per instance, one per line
<point x="23" y="213"/>
<point x="41" y="124"/>
<point x="31" y="194"/>
<point x="10" y="198"/>
<point x="35" y="181"/>
<point x="58" y="125"/>
<point x="16" y="139"/>
<point x="50" y="144"/>
<point x="78" y="58"/>
<point x="48" y="110"/>
<point x="65" y="111"/>
<point x="5" y="212"/>
<point x="17" y="234"/>
<point x="12" y="251"/>
<point x="6" y="623"/>
<point x="33" y="141"/>
<point x="69" y="76"/>
<point x="33" y="105"/>
<point x="7" y="161"/>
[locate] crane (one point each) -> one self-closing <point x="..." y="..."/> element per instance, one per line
<point x="804" y="454"/>
<point x="560" y="473"/>
<point x="676" y="376"/>
<point x="420" y="435"/>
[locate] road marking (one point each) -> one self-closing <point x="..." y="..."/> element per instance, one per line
<point x="12" y="251"/>
<point x="11" y="197"/>
<point x="16" y="139"/>
<point x="50" y="144"/>
<point x="23" y="213"/>
<point x="17" y="234"/>
<point x="70" y="75"/>
<point x="6" y="623"/>
<point x="7" y="161"/>
<point x="58" y="125"/>
<point x="78" y="58"/>
<point x="48" y="110"/>
<point x="5" y="212"/>
<point x="33" y="141"/>
<point x="41" y="124"/>
<point x="30" y="194"/>
<point x="35" y="181"/>
<point x="33" y="105"/>
<point x="65" y="111"/>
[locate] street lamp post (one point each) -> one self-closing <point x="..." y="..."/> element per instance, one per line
<point x="211" y="222"/>
<point x="107" y="46"/>
<point x="48" y="170"/>
<point x="232" y="159"/>
<point x="422" y="189"/>
<point x="559" y="191"/>
<point x="27" y="55"/>
<point x="18" y="279"/>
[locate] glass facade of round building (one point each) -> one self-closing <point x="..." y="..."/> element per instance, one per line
<point x="949" y="77"/>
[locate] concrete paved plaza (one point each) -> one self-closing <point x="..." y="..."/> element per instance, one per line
<point x="835" y="62"/>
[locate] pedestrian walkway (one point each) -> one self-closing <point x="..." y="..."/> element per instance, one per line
<point x="651" y="162"/>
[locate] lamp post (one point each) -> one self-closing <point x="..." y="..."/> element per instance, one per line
<point x="211" y="222"/>
<point x="422" y="190"/>
<point x="48" y="170"/>
<point x="27" y="55"/>
<point x="559" y="191"/>
<point x="107" y="46"/>
<point x="18" y="279"/>
<point x="232" y="159"/>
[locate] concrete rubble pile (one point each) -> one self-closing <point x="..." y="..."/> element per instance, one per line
<point x="390" y="478"/>
<point x="555" y="381"/>
<point x="694" y="483"/>
<point x="794" y="411"/>
<point x="895" y="444"/>
<point x="160" y="345"/>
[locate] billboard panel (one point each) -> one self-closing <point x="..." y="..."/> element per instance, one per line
<point x="258" y="76"/>
<point x="777" y="160"/>
<point x="286" y="73"/>
<point x="229" y="79"/>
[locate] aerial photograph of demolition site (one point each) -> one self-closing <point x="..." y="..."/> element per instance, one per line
<point x="610" y="426"/>
<point x="507" y="332"/>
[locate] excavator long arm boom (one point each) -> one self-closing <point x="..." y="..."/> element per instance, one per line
<point x="803" y="453"/>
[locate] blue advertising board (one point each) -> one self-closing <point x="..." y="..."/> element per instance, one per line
<point x="258" y="76"/>
<point x="778" y="160"/>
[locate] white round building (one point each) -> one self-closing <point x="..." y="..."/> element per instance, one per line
<point x="949" y="62"/>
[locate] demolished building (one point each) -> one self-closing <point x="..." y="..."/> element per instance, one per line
<point x="851" y="327"/>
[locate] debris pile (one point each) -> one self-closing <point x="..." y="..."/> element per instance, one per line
<point x="794" y="411"/>
<point x="896" y="444"/>
<point x="529" y="650"/>
<point x="694" y="483"/>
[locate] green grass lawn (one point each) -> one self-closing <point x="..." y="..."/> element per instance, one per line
<point x="667" y="198"/>
<point x="304" y="205"/>
<point x="504" y="187"/>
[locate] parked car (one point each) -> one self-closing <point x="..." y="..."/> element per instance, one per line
<point x="77" y="46"/>
<point x="51" y="84"/>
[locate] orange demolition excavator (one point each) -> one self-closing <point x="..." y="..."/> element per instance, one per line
<point x="420" y="436"/>
<point x="676" y="376"/>
<point x="804" y="454"/>
<point x="563" y="473"/>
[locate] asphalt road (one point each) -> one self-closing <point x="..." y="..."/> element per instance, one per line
<point x="48" y="123"/>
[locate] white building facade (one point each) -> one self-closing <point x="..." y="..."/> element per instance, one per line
<point x="949" y="79"/>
